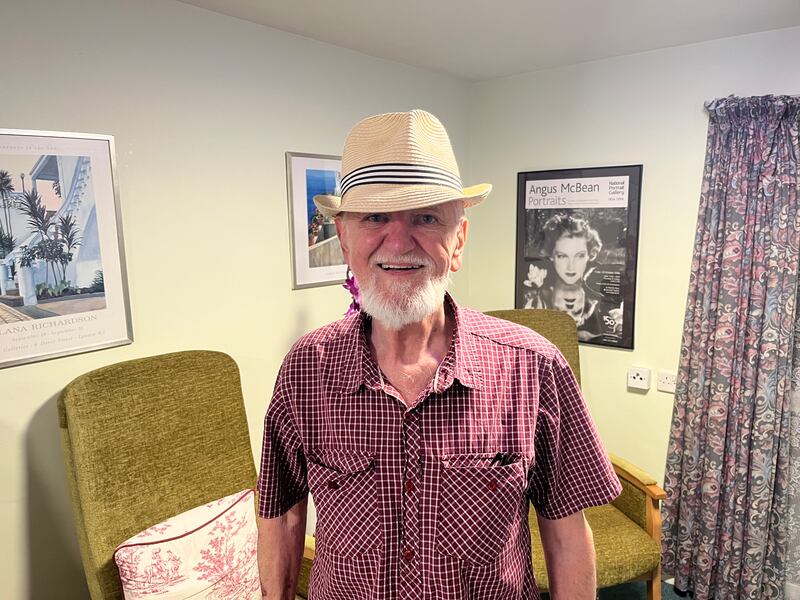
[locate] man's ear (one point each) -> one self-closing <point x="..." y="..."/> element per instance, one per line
<point x="341" y="231"/>
<point x="461" y="241"/>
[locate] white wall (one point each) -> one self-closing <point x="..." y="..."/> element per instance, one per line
<point x="645" y="108"/>
<point x="203" y="108"/>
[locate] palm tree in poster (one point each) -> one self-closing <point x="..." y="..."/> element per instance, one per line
<point x="71" y="239"/>
<point x="6" y="188"/>
<point x="33" y="208"/>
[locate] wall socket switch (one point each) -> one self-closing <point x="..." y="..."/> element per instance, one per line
<point x="639" y="378"/>
<point x="666" y="382"/>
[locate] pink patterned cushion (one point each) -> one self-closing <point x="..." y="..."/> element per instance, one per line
<point x="207" y="552"/>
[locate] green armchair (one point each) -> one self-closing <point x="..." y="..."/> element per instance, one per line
<point x="627" y="532"/>
<point x="145" y="440"/>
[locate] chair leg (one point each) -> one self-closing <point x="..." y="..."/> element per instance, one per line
<point x="654" y="584"/>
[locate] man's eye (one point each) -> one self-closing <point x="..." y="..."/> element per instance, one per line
<point x="376" y="218"/>
<point x="428" y="219"/>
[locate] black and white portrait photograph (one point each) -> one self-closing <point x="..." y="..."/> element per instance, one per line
<point x="577" y="233"/>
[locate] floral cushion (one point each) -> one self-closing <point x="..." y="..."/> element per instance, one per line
<point x="207" y="552"/>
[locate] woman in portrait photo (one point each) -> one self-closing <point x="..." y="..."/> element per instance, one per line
<point x="572" y="245"/>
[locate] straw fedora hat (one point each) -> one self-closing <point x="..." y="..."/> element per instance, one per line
<point x="398" y="161"/>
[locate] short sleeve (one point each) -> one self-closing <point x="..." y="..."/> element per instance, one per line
<point x="571" y="469"/>
<point x="282" y="481"/>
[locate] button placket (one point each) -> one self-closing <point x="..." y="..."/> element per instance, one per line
<point x="410" y="573"/>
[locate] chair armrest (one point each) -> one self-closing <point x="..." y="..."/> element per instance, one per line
<point x="310" y="549"/>
<point x="639" y="488"/>
<point x="635" y="476"/>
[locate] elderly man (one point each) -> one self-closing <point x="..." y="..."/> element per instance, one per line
<point x="423" y="430"/>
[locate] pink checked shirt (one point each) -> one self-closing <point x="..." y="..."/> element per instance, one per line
<point x="409" y="504"/>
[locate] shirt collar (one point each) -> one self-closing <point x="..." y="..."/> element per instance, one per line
<point x="461" y="361"/>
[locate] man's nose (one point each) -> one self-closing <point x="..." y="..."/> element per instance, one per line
<point x="398" y="236"/>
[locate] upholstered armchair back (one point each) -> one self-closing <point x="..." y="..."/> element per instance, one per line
<point x="145" y="440"/>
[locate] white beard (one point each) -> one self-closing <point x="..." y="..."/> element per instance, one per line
<point x="404" y="304"/>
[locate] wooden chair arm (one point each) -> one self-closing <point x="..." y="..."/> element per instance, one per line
<point x="637" y="477"/>
<point x="310" y="549"/>
<point x="641" y="480"/>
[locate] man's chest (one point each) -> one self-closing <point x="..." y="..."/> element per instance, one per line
<point x="457" y="421"/>
<point x="414" y="493"/>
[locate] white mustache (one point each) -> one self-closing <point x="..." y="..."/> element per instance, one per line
<point x="402" y="258"/>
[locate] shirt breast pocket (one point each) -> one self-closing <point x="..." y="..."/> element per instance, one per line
<point x="344" y="488"/>
<point x="481" y="506"/>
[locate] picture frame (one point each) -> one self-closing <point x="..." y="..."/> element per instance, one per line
<point x="577" y="247"/>
<point x="63" y="278"/>
<point x="316" y="254"/>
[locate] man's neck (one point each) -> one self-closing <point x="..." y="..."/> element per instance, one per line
<point x="424" y="341"/>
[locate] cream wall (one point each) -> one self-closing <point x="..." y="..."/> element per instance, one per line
<point x="645" y="108"/>
<point x="203" y="108"/>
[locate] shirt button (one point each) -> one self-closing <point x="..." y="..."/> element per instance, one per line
<point x="408" y="554"/>
<point x="410" y="487"/>
<point x="333" y="485"/>
<point x="492" y="485"/>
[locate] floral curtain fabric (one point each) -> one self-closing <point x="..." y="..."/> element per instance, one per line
<point x="793" y="513"/>
<point x="727" y="470"/>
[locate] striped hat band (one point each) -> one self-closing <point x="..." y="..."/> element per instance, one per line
<point x="402" y="174"/>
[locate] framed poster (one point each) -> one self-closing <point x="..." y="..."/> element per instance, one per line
<point x="577" y="240"/>
<point x="316" y="253"/>
<point x="63" y="284"/>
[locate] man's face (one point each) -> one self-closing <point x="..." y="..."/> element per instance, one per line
<point x="570" y="256"/>
<point x="396" y="254"/>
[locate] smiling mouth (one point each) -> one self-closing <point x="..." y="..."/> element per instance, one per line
<point x="390" y="267"/>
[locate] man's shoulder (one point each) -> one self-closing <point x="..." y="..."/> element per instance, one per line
<point x="499" y="331"/>
<point x="344" y="330"/>
<point x="324" y="359"/>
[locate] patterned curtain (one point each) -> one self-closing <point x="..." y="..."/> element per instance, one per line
<point x="727" y="470"/>
<point x="793" y="513"/>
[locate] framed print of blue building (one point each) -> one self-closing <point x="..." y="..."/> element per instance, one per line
<point x="63" y="286"/>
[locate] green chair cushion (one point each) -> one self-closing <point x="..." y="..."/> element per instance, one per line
<point x="305" y="578"/>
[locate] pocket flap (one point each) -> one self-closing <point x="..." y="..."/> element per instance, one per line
<point x="342" y="462"/>
<point x="479" y="461"/>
